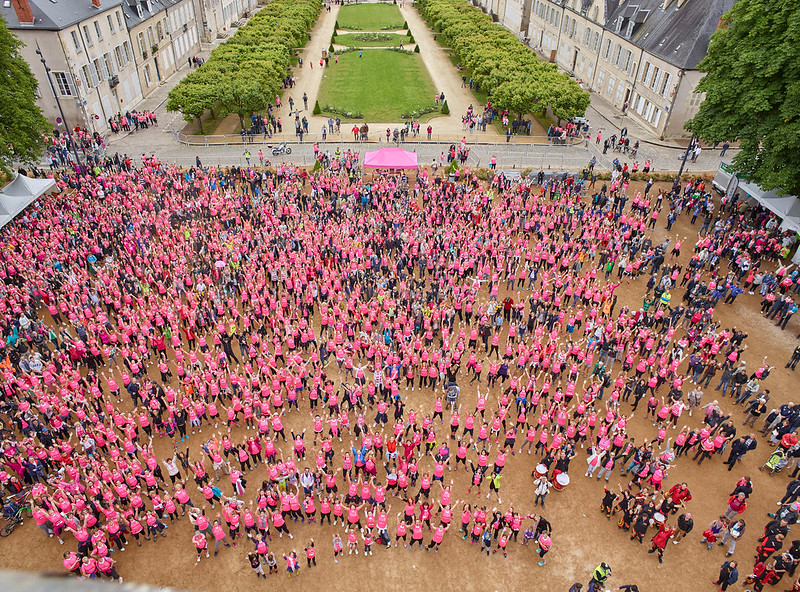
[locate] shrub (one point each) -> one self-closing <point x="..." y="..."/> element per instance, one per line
<point x="416" y="49"/>
<point x="405" y="25"/>
<point x="330" y="49"/>
<point x="317" y="110"/>
<point x="411" y="39"/>
<point x="452" y="167"/>
<point x="445" y="108"/>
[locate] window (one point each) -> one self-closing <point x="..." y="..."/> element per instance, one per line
<point x="648" y="110"/>
<point x="656" y="117"/>
<point x="150" y="37"/>
<point x="110" y="24"/>
<point x="160" y="31"/>
<point x="657" y="75"/>
<point x="75" y="42"/>
<point x="596" y="41"/>
<point x="98" y="70"/>
<point x="63" y="81"/>
<point x="628" y="61"/>
<point x="147" y="75"/>
<point x="611" y="82"/>
<point x="87" y="76"/>
<point x="98" y="30"/>
<point x="646" y="72"/>
<point x="127" y="52"/>
<point x="86" y="34"/>
<point x="629" y="32"/>
<point x="620" y="89"/>
<point x="119" y="57"/>
<point x="665" y="85"/>
<point x="119" y="20"/>
<point x="617" y="54"/>
<point x="696" y="99"/>
<point x="108" y="64"/>
<point x="639" y="104"/>
<point x="607" y="49"/>
<point x="601" y="75"/>
<point x="142" y="46"/>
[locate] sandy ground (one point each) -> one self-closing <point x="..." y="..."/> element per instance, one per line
<point x="581" y="538"/>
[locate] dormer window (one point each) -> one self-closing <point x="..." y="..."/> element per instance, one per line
<point x="629" y="31"/>
<point x="139" y="11"/>
<point x="619" y="24"/>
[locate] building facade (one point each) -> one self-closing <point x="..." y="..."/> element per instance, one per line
<point x="89" y="54"/>
<point x="641" y="56"/>
<point x="219" y="15"/>
<point x="104" y="56"/>
<point x="165" y="35"/>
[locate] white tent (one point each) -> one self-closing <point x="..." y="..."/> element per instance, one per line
<point x="19" y="194"/>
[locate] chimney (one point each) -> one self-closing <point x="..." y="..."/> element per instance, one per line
<point x="96" y="3"/>
<point x="24" y="12"/>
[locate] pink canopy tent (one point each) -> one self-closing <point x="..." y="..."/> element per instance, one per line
<point x="390" y="158"/>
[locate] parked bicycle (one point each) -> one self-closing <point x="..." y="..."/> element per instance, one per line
<point x="15" y="512"/>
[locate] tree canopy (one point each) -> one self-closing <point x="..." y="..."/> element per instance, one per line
<point x="243" y="74"/>
<point x="518" y="80"/>
<point x="752" y="86"/>
<point x="22" y="124"/>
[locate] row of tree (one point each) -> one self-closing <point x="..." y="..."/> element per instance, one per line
<point x="243" y="74"/>
<point x="500" y="63"/>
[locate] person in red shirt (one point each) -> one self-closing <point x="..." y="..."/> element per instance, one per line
<point x="660" y="541"/>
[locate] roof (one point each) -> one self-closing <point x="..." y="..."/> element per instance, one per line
<point x="156" y="6"/>
<point x="19" y="194"/>
<point x="55" y="15"/>
<point x="678" y="35"/>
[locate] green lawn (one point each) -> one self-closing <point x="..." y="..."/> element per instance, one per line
<point x="370" y="17"/>
<point x="382" y="85"/>
<point x="372" y="40"/>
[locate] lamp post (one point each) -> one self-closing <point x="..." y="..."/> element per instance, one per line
<point x="58" y="102"/>
<point x="689" y="148"/>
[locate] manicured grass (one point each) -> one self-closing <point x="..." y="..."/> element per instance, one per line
<point x="368" y="40"/>
<point x="370" y="17"/>
<point x="382" y="85"/>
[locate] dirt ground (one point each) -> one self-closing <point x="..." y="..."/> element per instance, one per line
<point x="581" y="535"/>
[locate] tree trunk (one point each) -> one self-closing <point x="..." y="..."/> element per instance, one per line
<point x="200" y="125"/>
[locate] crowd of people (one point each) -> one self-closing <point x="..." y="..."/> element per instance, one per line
<point x="253" y="348"/>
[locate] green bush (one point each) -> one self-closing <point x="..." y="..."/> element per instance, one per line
<point x="445" y="108"/>
<point x="330" y="48"/>
<point x="336" y="26"/>
<point x="405" y="25"/>
<point x="500" y="61"/>
<point x="243" y="74"/>
<point x="452" y="167"/>
<point x="317" y="110"/>
<point x="408" y="33"/>
<point x="411" y="39"/>
<point x="416" y="49"/>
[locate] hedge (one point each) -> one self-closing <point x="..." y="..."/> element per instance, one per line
<point x="243" y="74"/>
<point x="517" y="79"/>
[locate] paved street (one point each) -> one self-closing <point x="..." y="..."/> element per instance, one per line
<point x="522" y="152"/>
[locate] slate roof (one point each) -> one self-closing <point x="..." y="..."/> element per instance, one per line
<point x="679" y="36"/>
<point x="132" y="15"/>
<point x="54" y="15"/>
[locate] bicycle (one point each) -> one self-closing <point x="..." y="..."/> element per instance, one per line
<point x="15" y="512"/>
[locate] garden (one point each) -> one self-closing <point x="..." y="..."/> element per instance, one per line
<point x="370" y="17"/>
<point x="378" y="85"/>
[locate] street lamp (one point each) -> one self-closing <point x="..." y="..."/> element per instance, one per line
<point x="689" y="148"/>
<point x="58" y="102"/>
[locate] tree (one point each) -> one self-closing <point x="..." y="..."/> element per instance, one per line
<point x="752" y="88"/>
<point x="22" y="124"/>
<point x="445" y="109"/>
